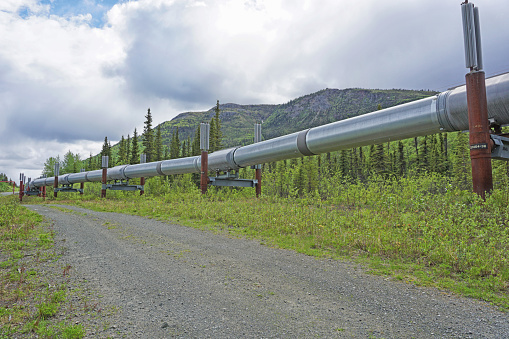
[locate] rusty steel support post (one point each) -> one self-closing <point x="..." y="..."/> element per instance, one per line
<point x="43" y="192"/>
<point x="258" y="168"/>
<point x="55" y="186"/>
<point x="143" y="160"/>
<point x="104" y="165"/>
<point x="258" y="174"/>
<point x="204" y="180"/>
<point x="142" y="183"/>
<point x="104" y="177"/>
<point x="82" y="184"/>
<point x="479" y="133"/>
<point x="204" y="146"/>
<point x="20" y="190"/>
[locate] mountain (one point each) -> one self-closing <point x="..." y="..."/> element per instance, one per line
<point x="322" y="107"/>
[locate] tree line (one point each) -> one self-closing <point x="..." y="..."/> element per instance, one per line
<point x="445" y="154"/>
<point x="129" y="149"/>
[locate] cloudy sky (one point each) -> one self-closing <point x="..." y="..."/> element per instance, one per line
<point x="75" y="71"/>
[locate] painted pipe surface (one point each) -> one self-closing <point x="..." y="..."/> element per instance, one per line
<point x="445" y="112"/>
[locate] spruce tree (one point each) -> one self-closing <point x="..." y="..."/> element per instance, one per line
<point x="400" y="159"/>
<point x="158" y="145"/>
<point x="135" y="151"/>
<point x="148" y="137"/>
<point x="122" y="158"/>
<point x="195" y="148"/>
<point x="212" y="136"/>
<point x="215" y="130"/>
<point x="175" y="145"/>
<point x="128" y="150"/>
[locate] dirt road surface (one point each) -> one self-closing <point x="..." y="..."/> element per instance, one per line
<point x="169" y="281"/>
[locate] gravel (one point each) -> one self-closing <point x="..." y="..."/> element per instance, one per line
<point x="168" y="280"/>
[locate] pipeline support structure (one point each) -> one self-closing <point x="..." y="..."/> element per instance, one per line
<point x="445" y="112"/>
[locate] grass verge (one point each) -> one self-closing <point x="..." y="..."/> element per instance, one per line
<point x="37" y="297"/>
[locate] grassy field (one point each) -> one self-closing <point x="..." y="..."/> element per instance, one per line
<point x="421" y="231"/>
<point x="37" y="299"/>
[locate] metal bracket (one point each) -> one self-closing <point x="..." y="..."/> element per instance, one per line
<point x="500" y="149"/>
<point x="32" y="192"/>
<point x="68" y="189"/>
<point x="231" y="179"/>
<point x="122" y="186"/>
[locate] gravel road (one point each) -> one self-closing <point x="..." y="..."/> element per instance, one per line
<point x="170" y="281"/>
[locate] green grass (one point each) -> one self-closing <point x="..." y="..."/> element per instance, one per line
<point x="27" y="302"/>
<point x="406" y="229"/>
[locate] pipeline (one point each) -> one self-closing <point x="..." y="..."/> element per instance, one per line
<point x="445" y="112"/>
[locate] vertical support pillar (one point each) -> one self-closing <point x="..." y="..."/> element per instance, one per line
<point x="55" y="184"/>
<point x="479" y="133"/>
<point x="143" y="159"/>
<point x="204" y="179"/>
<point x="204" y="146"/>
<point x="43" y="192"/>
<point x="82" y="184"/>
<point x="104" y="175"/>
<point x="21" y="187"/>
<point x="258" y="168"/>
<point x="478" y="124"/>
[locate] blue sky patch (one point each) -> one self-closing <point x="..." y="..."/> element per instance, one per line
<point x="67" y="8"/>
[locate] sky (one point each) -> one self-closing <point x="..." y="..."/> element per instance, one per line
<point x="75" y="71"/>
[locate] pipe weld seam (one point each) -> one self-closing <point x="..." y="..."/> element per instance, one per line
<point x="302" y="145"/>
<point x="230" y="159"/>
<point x="158" y="168"/>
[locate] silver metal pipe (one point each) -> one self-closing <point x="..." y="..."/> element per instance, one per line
<point x="445" y="112"/>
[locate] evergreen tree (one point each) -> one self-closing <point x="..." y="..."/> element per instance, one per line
<point x="299" y="179"/>
<point x="158" y="145"/>
<point x="68" y="165"/>
<point x="166" y="152"/>
<point x="49" y="166"/>
<point x="343" y="163"/>
<point x="148" y="137"/>
<point x="122" y="155"/>
<point x="444" y="157"/>
<point x="195" y="148"/>
<point x="377" y="159"/>
<point x="212" y="136"/>
<point x="135" y="151"/>
<point x="461" y="165"/>
<point x="128" y="149"/>
<point x="175" y="145"/>
<point x="424" y="154"/>
<point x="400" y="160"/>
<point x="112" y="160"/>
<point x="216" y="135"/>
<point x="361" y="161"/>
<point x="311" y="174"/>
<point x="183" y="152"/>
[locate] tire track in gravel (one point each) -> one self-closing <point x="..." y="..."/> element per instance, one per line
<point x="169" y="280"/>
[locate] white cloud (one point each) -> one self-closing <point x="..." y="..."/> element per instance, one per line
<point x="63" y="81"/>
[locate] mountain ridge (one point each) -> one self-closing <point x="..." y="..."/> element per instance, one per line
<point x="311" y="110"/>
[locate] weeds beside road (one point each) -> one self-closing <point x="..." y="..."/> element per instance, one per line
<point x="37" y="298"/>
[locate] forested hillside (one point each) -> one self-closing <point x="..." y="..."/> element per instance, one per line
<point x="311" y="110"/>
